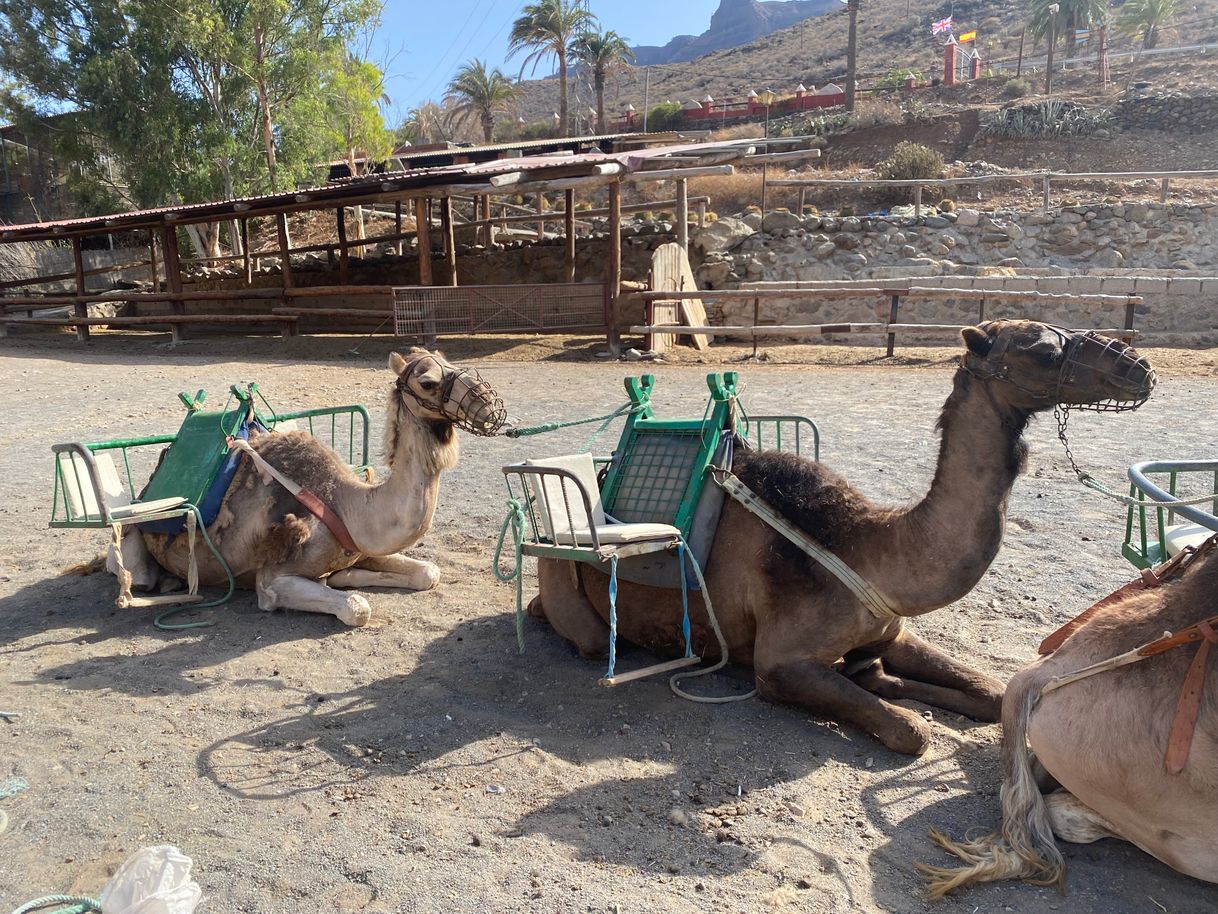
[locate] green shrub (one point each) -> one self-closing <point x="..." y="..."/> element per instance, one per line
<point x="1016" y="88"/>
<point x="665" y="116"/>
<point x="947" y="206"/>
<point x="910" y="161"/>
<point x="845" y="211"/>
<point x="895" y="77"/>
<point x="1053" y="117"/>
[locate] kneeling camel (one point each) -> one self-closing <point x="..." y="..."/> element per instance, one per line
<point x="810" y="641"/>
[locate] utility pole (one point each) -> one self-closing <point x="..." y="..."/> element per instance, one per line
<point x="852" y="7"/>
<point x="1052" y="42"/>
<point x="646" y="93"/>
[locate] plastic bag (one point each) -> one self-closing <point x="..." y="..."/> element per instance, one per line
<point x="155" y="880"/>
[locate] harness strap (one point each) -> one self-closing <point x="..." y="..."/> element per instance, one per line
<point x="312" y="503"/>
<point x="876" y="603"/>
<point x="1184" y="723"/>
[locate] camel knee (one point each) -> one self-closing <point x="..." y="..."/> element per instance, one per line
<point x="133" y="556"/>
<point x="536" y="609"/>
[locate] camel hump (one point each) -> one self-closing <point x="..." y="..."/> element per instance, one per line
<point x="805" y="492"/>
<point x="304" y="460"/>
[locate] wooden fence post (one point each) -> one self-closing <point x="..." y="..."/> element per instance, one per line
<point x="569" y="236"/>
<point x="613" y="281"/>
<point x="683" y="214"/>
<point x="422" y="221"/>
<point x="450" y="238"/>
<point x="918" y="201"/>
<point x="1045" y="191"/>
<point x="173" y="275"/>
<point x="80" y="309"/>
<point x="1164" y="189"/>
<point x="344" y="258"/>
<point x="246" y="262"/>
<point x="894" y="306"/>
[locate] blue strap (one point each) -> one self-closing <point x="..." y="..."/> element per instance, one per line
<point x="612" y="615"/>
<point x="689" y="648"/>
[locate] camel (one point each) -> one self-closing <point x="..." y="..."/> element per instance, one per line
<point x="290" y="557"/>
<point x="1099" y="746"/>
<point x="809" y="640"/>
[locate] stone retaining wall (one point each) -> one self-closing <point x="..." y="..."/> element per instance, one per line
<point x="1175" y="112"/>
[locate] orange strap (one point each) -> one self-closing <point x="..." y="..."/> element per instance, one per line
<point x="326" y="515"/>
<point x="1185" y="721"/>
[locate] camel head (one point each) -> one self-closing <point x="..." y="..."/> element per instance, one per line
<point x="1038" y="366"/>
<point x="435" y="390"/>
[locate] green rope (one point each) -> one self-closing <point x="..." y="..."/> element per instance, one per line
<point x="515" y="520"/>
<point x="159" y="621"/>
<point x="555" y="426"/>
<point x="76" y="904"/>
<point x="1095" y="485"/>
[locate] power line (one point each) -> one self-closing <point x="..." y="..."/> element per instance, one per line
<point x="440" y="62"/>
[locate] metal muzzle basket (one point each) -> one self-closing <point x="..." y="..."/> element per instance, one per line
<point x="1131" y="372"/>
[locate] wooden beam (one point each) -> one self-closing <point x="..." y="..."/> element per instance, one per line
<point x="683" y="214"/>
<point x="173" y="274"/>
<point x="488" y="231"/>
<point x="344" y="258"/>
<point x="247" y="262"/>
<point x="669" y="174"/>
<point x="422" y="218"/>
<point x="397" y="224"/>
<point x="569" y="236"/>
<point x="285" y="249"/>
<point x="613" y="277"/>
<point x="156" y="283"/>
<point x="450" y="239"/>
<point x="81" y="308"/>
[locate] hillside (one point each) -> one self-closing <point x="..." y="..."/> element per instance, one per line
<point x="892" y="33"/>
<point x="734" y="23"/>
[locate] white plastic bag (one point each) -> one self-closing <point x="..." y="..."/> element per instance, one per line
<point x="155" y="880"/>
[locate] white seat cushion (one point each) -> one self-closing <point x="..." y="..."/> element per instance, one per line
<point x="1181" y="536"/>
<point x="82" y="498"/>
<point x="558" y="501"/>
<point x="146" y="508"/>
<point x="620" y="534"/>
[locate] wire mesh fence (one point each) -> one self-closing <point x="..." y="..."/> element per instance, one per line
<point x="430" y="311"/>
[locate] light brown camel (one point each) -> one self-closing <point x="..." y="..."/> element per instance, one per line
<point x="1100" y="748"/>
<point x="809" y="640"/>
<point x="293" y="561"/>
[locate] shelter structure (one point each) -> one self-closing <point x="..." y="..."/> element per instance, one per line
<point x="417" y="194"/>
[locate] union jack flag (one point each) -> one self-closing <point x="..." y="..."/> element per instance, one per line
<point x="940" y="26"/>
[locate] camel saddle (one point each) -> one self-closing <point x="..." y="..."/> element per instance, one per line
<point x="1206" y="631"/>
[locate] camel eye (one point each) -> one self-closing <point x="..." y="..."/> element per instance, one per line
<point x="428" y="385"/>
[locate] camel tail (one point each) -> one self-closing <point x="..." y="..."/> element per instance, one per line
<point x="1025" y="848"/>
<point x="84" y="569"/>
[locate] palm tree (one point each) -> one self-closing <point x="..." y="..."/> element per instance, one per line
<point x="424" y="124"/>
<point x="1071" y="15"/>
<point x="475" y="91"/>
<point x="603" y="53"/>
<point x="1147" y="18"/>
<point x="549" y="27"/>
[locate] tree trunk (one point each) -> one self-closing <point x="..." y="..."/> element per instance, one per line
<point x="488" y="126"/>
<point x="1071" y="25"/>
<point x="1151" y="39"/>
<point x="562" y="92"/>
<point x="852" y="44"/>
<point x="264" y="103"/>
<point x="599" y="82"/>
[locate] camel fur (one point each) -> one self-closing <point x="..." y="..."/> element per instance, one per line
<point x="275" y="546"/>
<point x="809" y="640"/>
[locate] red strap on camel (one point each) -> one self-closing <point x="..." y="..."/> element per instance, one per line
<point x="1185" y="722"/>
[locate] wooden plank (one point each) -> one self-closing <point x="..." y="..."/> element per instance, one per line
<point x="823" y="329"/>
<point x="147" y="319"/>
<point x="335" y="312"/>
<point x="285" y="250"/>
<point x="247" y="262"/>
<point x="422" y="221"/>
<point x="613" y="277"/>
<point x="450" y="239"/>
<point x="344" y="258"/>
<point x="81" y="308"/>
<point x="569" y="237"/>
<point x="666" y="667"/>
<point x="683" y="214"/>
<point x="670" y="271"/>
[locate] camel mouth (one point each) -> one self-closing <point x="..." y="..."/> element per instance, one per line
<point x="479" y="410"/>
<point x="1122" y="379"/>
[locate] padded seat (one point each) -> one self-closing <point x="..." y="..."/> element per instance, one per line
<point x="139" y="509"/>
<point x="1180" y="536"/>
<point x="566" y="520"/>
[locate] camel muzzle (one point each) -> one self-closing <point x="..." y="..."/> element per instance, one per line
<point x="477" y="408"/>
<point x="1092" y="360"/>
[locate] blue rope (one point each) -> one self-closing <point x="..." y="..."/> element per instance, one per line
<point x="612" y="615"/>
<point x="515" y="520"/>
<point x="689" y="648"/>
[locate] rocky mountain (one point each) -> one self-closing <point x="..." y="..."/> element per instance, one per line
<point x="734" y="23"/>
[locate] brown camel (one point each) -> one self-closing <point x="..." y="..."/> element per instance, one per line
<point x="809" y="640"/>
<point x="293" y="561"/>
<point x="1101" y="748"/>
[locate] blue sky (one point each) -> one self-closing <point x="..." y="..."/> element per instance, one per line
<point x="421" y="44"/>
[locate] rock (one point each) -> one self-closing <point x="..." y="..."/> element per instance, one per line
<point x="845" y="242"/>
<point x="811" y="223"/>
<point x="908" y="250"/>
<point x="713" y="273"/>
<point x="1186" y="265"/>
<point x="722" y="235"/>
<point x="936" y="222"/>
<point x="1108" y="257"/>
<point x="824" y="251"/>
<point x="939" y="250"/>
<point x="967" y="218"/>
<point x="1013" y="262"/>
<point x="780" y="221"/>
<point x="753" y="221"/>
<point x="851" y="224"/>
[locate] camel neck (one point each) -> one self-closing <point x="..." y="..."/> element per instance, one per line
<point x="950" y="538"/>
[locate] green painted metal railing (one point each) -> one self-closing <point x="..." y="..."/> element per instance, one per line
<point x="1146" y="523"/>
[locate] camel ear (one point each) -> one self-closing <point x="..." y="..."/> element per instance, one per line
<point x="977" y="340"/>
<point x="397" y="363"/>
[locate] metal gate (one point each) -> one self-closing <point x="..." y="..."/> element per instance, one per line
<point x="431" y="311"/>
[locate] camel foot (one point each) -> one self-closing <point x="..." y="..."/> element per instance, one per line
<point x="906" y="733"/>
<point x="286" y="591"/>
<point x="535" y="608"/>
<point x="1074" y="821"/>
<point x="399" y="571"/>
<point x="357" y="612"/>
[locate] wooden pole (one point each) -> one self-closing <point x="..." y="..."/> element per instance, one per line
<point x="450" y="239"/>
<point x="246" y="262"/>
<point x="422" y="219"/>
<point x="344" y="258"/>
<point x="397" y="225"/>
<point x="701" y="214"/>
<point x="1019" y="64"/>
<point x="613" y="279"/>
<point x="1164" y="189"/>
<point x="803" y="200"/>
<point x="541" y="208"/>
<point x="683" y="214"/>
<point x="285" y="248"/>
<point x="488" y="231"/>
<point x="569" y="236"/>
<point x="918" y="202"/>
<point x="80" y="309"/>
<point x="1045" y="189"/>
<point x="152" y="259"/>
<point x="894" y="306"/>
<point x="173" y="275"/>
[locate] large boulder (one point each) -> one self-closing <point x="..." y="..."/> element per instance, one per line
<point x="780" y="221"/>
<point x="722" y="235"/>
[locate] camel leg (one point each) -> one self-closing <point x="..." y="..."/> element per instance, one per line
<point x="135" y="558"/>
<point x="921" y="672"/>
<point x="831" y="695"/>
<point x="287" y="591"/>
<point x="1074" y="821"/>
<point x="562" y="602"/>
<point x="397" y="570"/>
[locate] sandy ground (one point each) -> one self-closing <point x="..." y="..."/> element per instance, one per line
<point x="309" y="767"/>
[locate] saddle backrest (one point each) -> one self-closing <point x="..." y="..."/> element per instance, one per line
<point x="81" y="494"/>
<point x="557" y="499"/>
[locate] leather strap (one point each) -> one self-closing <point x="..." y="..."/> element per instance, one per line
<point x="1184" y="723"/>
<point x="326" y="515"/>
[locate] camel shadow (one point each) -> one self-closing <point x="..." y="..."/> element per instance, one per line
<point x="630" y="777"/>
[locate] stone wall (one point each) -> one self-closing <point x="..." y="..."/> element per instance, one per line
<point x="1173" y="111"/>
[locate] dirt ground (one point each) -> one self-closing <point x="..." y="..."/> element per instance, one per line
<point x="309" y="767"/>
